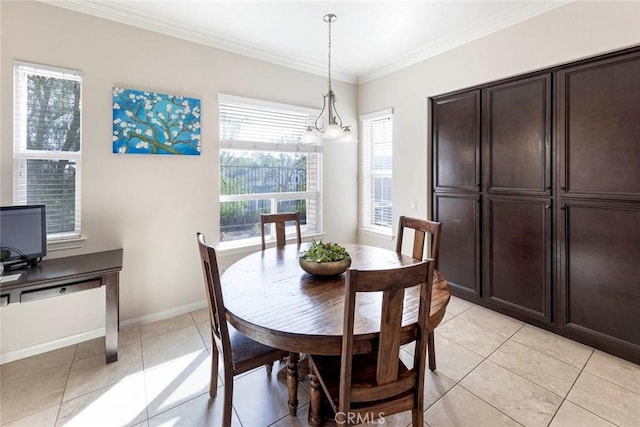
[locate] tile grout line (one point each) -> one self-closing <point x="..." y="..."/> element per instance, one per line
<point x="544" y="354"/>
<point x="487" y="359"/>
<point x="564" y="399"/>
<point x="603" y="379"/>
<point x="487" y="403"/>
<point x="526" y="379"/>
<point x="144" y="377"/>
<point x="66" y="384"/>
<point x="484" y="358"/>
<point x="595" y="374"/>
<point x="485" y="329"/>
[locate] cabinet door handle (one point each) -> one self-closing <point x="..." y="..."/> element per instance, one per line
<point x="63" y="290"/>
<point x="547" y="206"/>
<point x="563" y="188"/>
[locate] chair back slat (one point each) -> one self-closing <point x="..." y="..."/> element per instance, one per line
<point x="418" y="244"/>
<point x="421" y="228"/>
<point x="389" y="347"/>
<point x="280" y="220"/>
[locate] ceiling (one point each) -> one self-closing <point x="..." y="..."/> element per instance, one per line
<point x="369" y="38"/>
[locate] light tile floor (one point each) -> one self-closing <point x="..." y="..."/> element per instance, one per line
<point x="492" y="371"/>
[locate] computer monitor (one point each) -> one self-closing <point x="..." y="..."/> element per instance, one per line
<point x="23" y="234"/>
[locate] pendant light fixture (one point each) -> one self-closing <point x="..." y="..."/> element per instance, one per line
<point x="333" y="128"/>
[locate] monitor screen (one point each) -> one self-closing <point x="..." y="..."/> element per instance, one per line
<point x="23" y="233"/>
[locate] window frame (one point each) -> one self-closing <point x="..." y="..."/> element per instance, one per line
<point x="368" y="174"/>
<point x="21" y="153"/>
<point x="271" y="147"/>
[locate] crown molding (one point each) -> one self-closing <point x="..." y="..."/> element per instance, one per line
<point x="182" y="30"/>
<point x="440" y="46"/>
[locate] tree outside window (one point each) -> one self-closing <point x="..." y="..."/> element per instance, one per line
<point x="47" y="142"/>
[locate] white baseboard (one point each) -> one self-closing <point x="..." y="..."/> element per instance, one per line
<point x="165" y="314"/>
<point x="50" y="345"/>
<point x="96" y="333"/>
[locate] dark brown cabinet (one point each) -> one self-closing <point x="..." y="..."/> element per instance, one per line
<point x="598" y="131"/>
<point x="598" y="120"/>
<point x="517" y="254"/>
<point x="456" y="142"/>
<point x="600" y="269"/>
<point x="550" y="234"/>
<point x="460" y="248"/>
<point x="494" y="259"/>
<point x="516" y="117"/>
<point x="517" y="136"/>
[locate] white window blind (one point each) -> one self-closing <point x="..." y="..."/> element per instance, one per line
<point x="377" y="159"/>
<point x="249" y="125"/>
<point x="264" y="168"/>
<point x="47" y="142"/>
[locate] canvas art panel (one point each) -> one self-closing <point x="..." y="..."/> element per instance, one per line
<point x="155" y="123"/>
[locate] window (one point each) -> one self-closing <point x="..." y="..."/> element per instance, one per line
<point x="377" y="130"/>
<point x="264" y="168"/>
<point x="46" y="144"/>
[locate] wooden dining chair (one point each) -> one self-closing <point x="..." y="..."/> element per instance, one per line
<point x="441" y="292"/>
<point x="363" y="387"/>
<point x="280" y="220"/>
<point x="239" y="353"/>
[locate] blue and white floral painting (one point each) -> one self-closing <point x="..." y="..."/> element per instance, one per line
<point x="155" y="123"/>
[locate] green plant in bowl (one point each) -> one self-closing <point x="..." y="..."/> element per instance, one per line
<point x="325" y="259"/>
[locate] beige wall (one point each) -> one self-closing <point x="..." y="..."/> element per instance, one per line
<point x="577" y="30"/>
<point x="151" y="206"/>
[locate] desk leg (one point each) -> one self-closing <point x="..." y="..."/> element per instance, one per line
<point x="292" y="382"/>
<point x="112" y="321"/>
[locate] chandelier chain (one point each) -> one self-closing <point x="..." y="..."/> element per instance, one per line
<point x="329" y="82"/>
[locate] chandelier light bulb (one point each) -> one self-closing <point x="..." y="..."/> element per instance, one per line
<point x="332" y="131"/>
<point x="347" y="135"/>
<point x="309" y="136"/>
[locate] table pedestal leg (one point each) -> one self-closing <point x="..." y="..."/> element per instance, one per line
<point x="292" y="382"/>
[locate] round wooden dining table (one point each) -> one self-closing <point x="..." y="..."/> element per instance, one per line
<point x="269" y="298"/>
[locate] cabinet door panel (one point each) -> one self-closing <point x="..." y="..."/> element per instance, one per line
<point x="518" y="254"/>
<point x="598" y="128"/>
<point x="517" y="119"/>
<point x="456" y="141"/>
<point x="459" y="258"/>
<point x="600" y="267"/>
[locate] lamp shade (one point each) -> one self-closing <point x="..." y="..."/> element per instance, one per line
<point x="332" y="131"/>
<point x="309" y="136"/>
<point x="347" y="135"/>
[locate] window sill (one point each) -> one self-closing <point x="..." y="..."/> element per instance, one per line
<point x="378" y="234"/>
<point x="254" y="245"/>
<point x="63" y="244"/>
